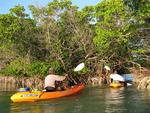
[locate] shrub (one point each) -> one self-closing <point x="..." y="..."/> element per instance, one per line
<point x="20" y="67"/>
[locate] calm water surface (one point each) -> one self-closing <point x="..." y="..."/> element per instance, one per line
<point x="90" y="100"/>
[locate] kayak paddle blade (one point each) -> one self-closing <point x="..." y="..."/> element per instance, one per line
<point x="79" y="67"/>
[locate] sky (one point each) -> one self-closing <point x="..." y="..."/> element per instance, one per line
<point x="5" y="5"/>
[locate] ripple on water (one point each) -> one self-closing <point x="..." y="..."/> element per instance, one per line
<point x="91" y="100"/>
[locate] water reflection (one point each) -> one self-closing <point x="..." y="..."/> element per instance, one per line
<point x="115" y="100"/>
<point x="52" y="106"/>
<point x="34" y="108"/>
<point x="25" y="108"/>
<point x="91" y="100"/>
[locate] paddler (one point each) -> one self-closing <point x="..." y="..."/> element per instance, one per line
<point x="51" y="79"/>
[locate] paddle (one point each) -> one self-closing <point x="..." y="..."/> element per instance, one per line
<point x="78" y="68"/>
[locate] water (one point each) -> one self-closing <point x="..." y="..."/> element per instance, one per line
<point x="90" y="100"/>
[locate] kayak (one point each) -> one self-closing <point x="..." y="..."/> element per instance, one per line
<point x="32" y="96"/>
<point x="116" y="85"/>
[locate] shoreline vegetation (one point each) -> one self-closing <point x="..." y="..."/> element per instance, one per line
<point x="60" y="36"/>
<point x="141" y="79"/>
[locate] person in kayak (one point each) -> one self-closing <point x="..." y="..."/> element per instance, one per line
<point x="51" y="79"/>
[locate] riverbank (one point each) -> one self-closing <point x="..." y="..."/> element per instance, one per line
<point x="141" y="78"/>
<point x="9" y="83"/>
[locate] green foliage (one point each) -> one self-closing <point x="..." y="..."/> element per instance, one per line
<point x="38" y="68"/>
<point x="17" y="67"/>
<point x="143" y="62"/>
<point x="116" y="27"/>
<point x="84" y="71"/>
<point x="112" y="30"/>
<point x="56" y="65"/>
<point x="20" y="67"/>
<point x="61" y="36"/>
<point x="67" y="33"/>
<point x="18" y="11"/>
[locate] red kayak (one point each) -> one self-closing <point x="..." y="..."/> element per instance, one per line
<point x="32" y="96"/>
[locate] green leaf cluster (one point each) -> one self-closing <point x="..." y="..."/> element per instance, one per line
<point x="61" y="36"/>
